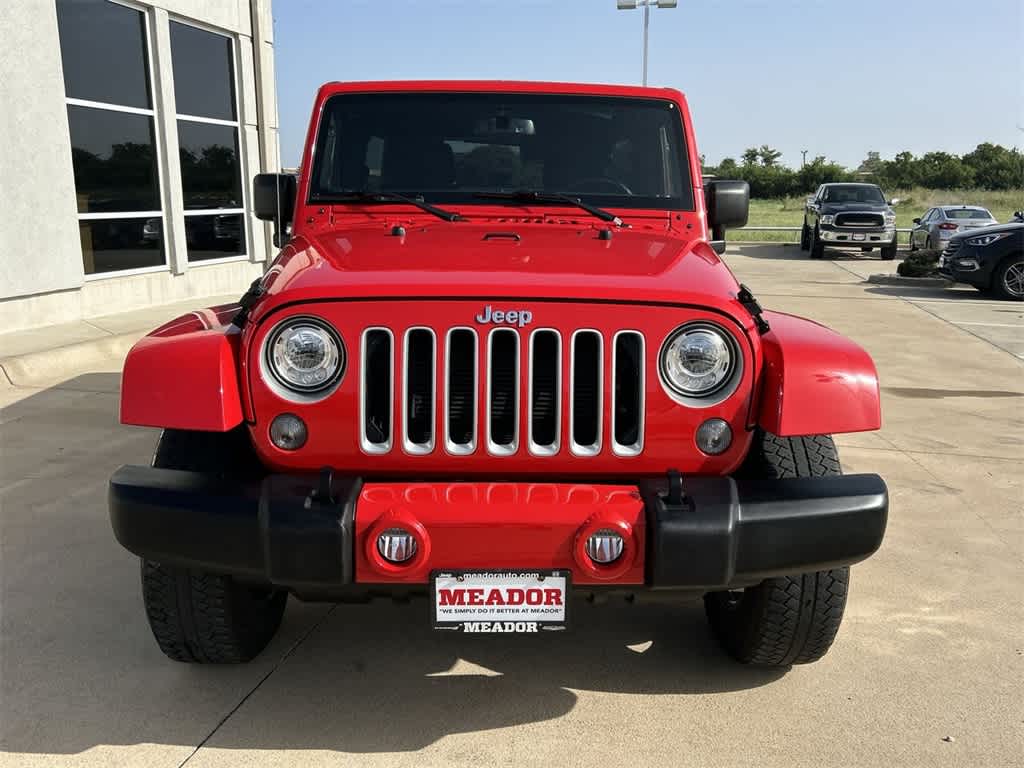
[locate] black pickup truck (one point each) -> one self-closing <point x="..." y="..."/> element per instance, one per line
<point x="849" y="216"/>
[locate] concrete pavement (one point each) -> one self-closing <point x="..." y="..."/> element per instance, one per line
<point x="931" y="646"/>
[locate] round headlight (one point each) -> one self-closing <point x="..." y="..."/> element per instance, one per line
<point x="697" y="360"/>
<point x="305" y="355"/>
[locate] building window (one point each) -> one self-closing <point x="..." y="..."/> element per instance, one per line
<point x="208" y="138"/>
<point x="104" y="50"/>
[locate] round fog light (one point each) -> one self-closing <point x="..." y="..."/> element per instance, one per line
<point x="714" y="436"/>
<point x="605" y="546"/>
<point x="288" y="432"/>
<point x="396" y="545"/>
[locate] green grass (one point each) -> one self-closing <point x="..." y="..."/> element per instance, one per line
<point x="788" y="212"/>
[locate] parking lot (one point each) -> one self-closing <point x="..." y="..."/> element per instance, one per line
<point x="927" y="670"/>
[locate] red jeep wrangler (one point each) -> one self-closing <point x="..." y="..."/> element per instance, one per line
<point x="498" y="362"/>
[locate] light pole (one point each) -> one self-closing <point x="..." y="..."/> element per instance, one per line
<point x="632" y="5"/>
<point x="803" y="160"/>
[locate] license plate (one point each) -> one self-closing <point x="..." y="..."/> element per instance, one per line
<point x="504" y="601"/>
<point x="859" y="236"/>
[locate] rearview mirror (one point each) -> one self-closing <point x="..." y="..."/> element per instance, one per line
<point x="273" y="199"/>
<point x="728" y="205"/>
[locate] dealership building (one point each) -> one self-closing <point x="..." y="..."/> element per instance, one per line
<point x="130" y="135"/>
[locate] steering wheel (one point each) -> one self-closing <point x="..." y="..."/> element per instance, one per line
<point x="580" y="185"/>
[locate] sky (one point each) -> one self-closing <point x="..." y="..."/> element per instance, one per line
<point x="835" y="78"/>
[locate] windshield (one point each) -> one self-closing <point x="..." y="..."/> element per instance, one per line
<point x="853" y="193"/>
<point x="448" y="147"/>
<point x="968" y="213"/>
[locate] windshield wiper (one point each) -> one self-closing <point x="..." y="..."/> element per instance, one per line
<point x="391" y="197"/>
<point x="530" y="196"/>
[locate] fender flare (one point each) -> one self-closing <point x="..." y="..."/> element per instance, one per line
<point x="185" y="374"/>
<point x="815" y="381"/>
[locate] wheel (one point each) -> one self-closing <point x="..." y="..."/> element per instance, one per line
<point x="817" y="247"/>
<point x="203" y="618"/>
<point x="1008" y="278"/>
<point x="889" y="251"/>
<point x="200" y="617"/>
<point x="787" y="619"/>
<point x="805" y="237"/>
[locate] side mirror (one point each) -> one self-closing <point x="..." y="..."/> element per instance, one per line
<point x="917" y="221"/>
<point x="728" y="206"/>
<point x="273" y="199"/>
<point x="894" y="201"/>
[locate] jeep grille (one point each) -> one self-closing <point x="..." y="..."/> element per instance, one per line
<point x="482" y="381"/>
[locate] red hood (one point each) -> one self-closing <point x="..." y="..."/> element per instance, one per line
<point x="549" y="260"/>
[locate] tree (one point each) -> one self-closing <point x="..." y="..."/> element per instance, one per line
<point x="996" y="167"/>
<point x="873" y="164"/>
<point x="769" y="156"/>
<point x="820" y="171"/>
<point x="941" y="170"/>
<point x="902" y="171"/>
<point x="728" y="167"/>
<point x="750" y="156"/>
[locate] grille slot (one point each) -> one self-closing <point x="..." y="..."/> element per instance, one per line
<point x="418" y="395"/>
<point x="545" y="391"/>
<point x="586" y="393"/>
<point x="378" y="385"/>
<point x="460" y="394"/>
<point x="503" y="392"/>
<point x="628" y="393"/>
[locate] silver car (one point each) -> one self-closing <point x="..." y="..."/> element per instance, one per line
<point x="933" y="230"/>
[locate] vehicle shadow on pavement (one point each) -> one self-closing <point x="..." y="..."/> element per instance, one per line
<point x="375" y="678"/>
<point x="79" y="668"/>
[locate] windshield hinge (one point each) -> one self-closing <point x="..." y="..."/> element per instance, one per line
<point x="249" y="298"/>
<point x="746" y="298"/>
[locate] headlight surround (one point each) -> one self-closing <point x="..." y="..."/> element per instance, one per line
<point x="304" y="355"/>
<point x="698" y="360"/>
<point x="981" y="242"/>
<point x="890" y="219"/>
<point x="828" y="218"/>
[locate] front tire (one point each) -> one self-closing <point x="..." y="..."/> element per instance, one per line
<point x="787" y="619"/>
<point x="817" y="247"/>
<point x="203" y="618"/>
<point x="200" y="617"/>
<point x="1008" y="279"/>
<point x="889" y="251"/>
<point x="805" y="237"/>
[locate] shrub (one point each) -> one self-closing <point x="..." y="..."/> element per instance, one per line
<point x="919" y="264"/>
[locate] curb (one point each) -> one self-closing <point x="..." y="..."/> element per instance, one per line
<point x="916" y="282"/>
<point x="52" y="365"/>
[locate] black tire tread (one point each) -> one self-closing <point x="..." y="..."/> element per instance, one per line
<point x="206" y="618"/>
<point x="789" y="619"/>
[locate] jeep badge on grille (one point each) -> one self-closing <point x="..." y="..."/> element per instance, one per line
<point x="518" y="317"/>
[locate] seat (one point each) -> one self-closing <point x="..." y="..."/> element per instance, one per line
<point x="417" y="165"/>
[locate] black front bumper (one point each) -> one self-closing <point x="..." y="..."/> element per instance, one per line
<point x="297" y="531"/>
